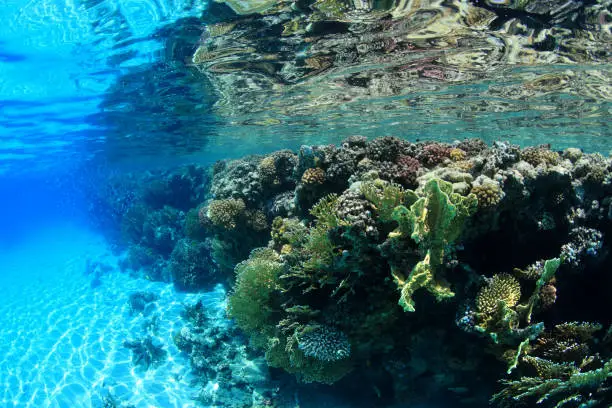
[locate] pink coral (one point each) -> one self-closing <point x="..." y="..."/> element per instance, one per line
<point x="433" y="154"/>
<point x="408" y="168"/>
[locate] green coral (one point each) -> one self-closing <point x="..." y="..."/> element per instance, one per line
<point x="434" y="221"/>
<point x="326" y="212"/>
<point x="386" y="197"/>
<point x="256" y="283"/>
<point x="581" y="388"/>
<point x="548" y="272"/>
<point x="319" y="249"/>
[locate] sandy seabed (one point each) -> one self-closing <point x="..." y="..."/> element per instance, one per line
<point x="62" y="337"/>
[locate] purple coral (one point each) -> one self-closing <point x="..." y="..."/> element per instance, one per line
<point x="472" y="146"/>
<point x="385" y="148"/>
<point x="433" y="154"/>
<point x="408" y="168"/>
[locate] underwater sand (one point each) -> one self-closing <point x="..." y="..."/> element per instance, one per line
<point x="62" y="340"/>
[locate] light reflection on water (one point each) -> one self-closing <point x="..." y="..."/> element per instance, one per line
<point x="114" y="80"/>
<point x="58" y="60"/>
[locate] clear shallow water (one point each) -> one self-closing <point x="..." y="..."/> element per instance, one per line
<point x="63" y="338"/>
<point x="93" y="88"/>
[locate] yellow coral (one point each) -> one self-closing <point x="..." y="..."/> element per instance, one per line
<point x="457" y="154"/>
<point x="489" y="194"/>
<point x="313" y="176"/>
<point x="539" y="155"/>
<point x="219" y="29"/>
<point x="226" y="212"/>
<point x="463" y="165"/>
<point x="267" y="169"/>
<point x="502" y="288"/>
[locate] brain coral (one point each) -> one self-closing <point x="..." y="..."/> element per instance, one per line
<point x="313" y="176"/>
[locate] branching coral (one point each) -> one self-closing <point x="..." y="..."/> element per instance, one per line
<point x="385" y="148"/>
<point x="408" y="168"/>
<point x="457" y="154"/>
<point x="433" y="154"/>
<point x="325" y="211"/>
<point x="567" y="373"/>
<point x="502" y="290"/>
<point x="267" y="169"/>
<point x="489" y="194"/>
<point x="256" y="283"/>
<point x="539" y="155"/>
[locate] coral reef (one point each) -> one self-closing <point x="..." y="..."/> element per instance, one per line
<point x="159" y="214"/>
<point x="441" y="231"/>
<point x="226" y="212"/>
<point x="427" y="270"/>
<point x="191" y="265"/>
<point x="564" y="370"/>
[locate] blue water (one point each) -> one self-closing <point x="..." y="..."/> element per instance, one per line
<point x="62" y="334"/>
<point x="90" y="90"/>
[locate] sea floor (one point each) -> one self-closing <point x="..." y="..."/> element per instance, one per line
<point x="62" y="330"/>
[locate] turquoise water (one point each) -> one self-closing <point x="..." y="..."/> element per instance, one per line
<point x="102" y="99"/>
<point x="63" y="340"/>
